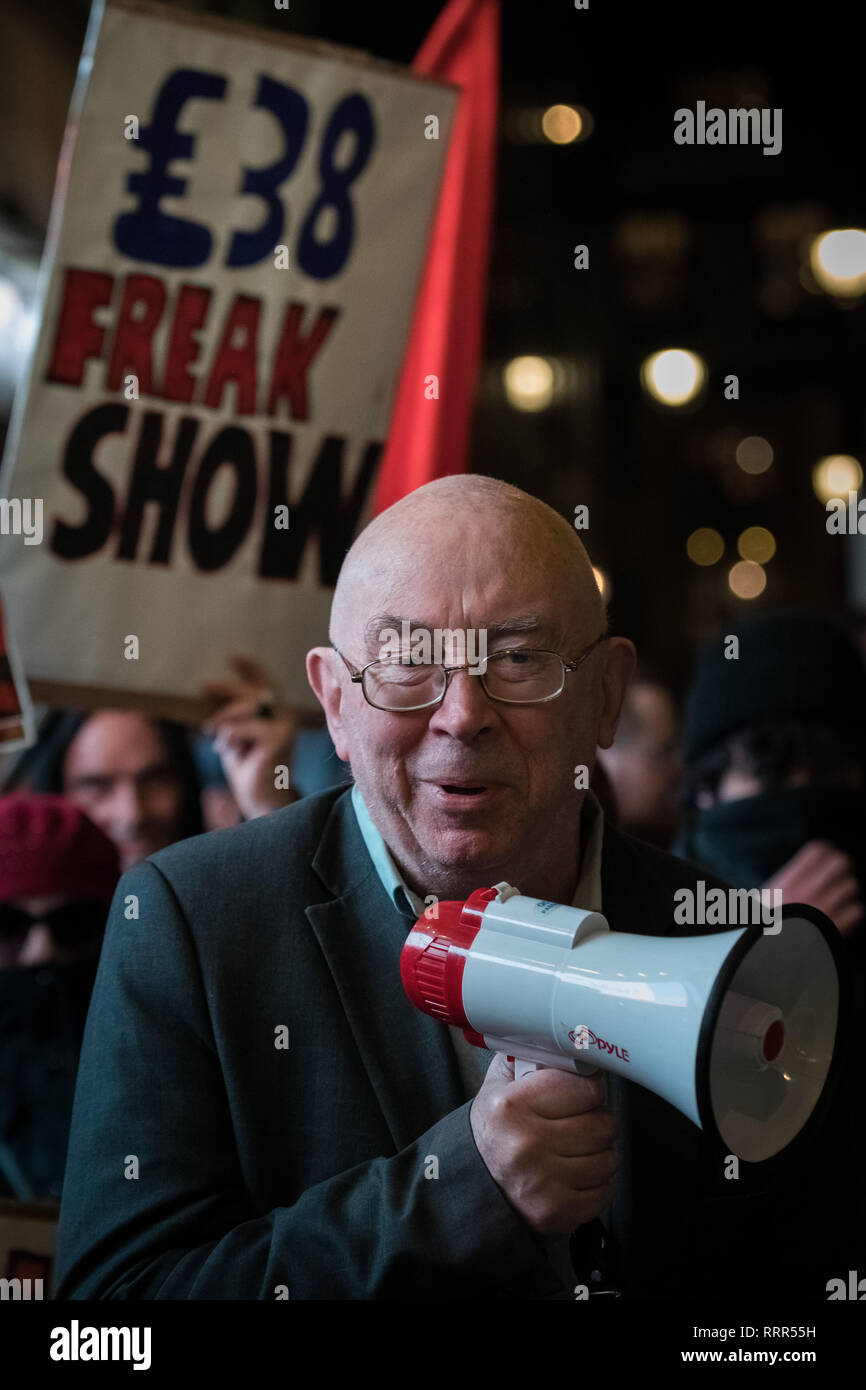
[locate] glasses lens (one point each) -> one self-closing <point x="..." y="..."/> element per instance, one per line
<point x="523" y="675"/>
<point x="390" y="685"/>
<point x="76" y="922"/>
<point x="14" y="923"/>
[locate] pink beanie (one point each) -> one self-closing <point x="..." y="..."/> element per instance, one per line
<point x="48" y="846"/>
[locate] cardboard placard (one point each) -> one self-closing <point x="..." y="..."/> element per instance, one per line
<point x="237" y="238"/>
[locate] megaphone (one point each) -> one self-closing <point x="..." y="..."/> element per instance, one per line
<point x="736" y="1029"/>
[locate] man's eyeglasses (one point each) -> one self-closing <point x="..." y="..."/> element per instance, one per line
<point x="72" y="924"/>
<point x="516" y="676"/>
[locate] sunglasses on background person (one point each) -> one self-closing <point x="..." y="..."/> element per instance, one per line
<point x="71" y="925"/>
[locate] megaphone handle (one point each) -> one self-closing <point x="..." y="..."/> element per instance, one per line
<point x="522" y="1068"/>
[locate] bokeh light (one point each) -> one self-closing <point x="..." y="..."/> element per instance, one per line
<point x="746" y="579"/>
<point x="674" y="376"/>
<point x="561" y="124"/>
<point x="705" y="546"/>
<point x="529" y="383"/>
<point x="758" y="544"/>
<point x="838" y="262"/>
<point x="754" y="454"/>
<point x="836" y="476"/>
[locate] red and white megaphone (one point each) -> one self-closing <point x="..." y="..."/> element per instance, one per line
<point x="736" y="1029"/>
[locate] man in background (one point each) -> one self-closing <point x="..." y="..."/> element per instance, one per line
<point x="643" y="764"/>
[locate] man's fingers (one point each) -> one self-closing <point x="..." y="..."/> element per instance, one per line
<point x="801" y="867"/>
<point x="222" y="690"/>
<point x="230" y="744"/>
<point x="839" y="895"/>
<point x="819" y="874"/>
<point x="239" y="733"/>
<point x="811" y="854"/>
<point x="554" y="1095"/>
<point x="833" y="864"/>
<point x="848" y="917"/>
<point x="245" y="712"/>
<point x="594" y="1132"/>
<point x="582" y="1174"/>
<point x="251" y="670"/>
<point x="252" y="681"/>
<point x="235" y="709"/>
<point x="824" y="876"/>
<point x="548" y="1142"/>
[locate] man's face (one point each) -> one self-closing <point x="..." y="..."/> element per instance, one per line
<point x="473" y="787"/>
<point x="117" y="770"/>
<point x="644" y="766"/>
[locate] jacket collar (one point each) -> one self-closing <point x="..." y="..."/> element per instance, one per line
<point x="408" y="1057"/>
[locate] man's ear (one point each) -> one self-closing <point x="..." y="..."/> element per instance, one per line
<point x="328" y="690"/>
<point x="620" y="658"/>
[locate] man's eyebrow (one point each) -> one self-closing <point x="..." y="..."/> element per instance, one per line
<point x="161" y="768"/>
<point x="524" y="622"/>
<point x="378" y="626"/>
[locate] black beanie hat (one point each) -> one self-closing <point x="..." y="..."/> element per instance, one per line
<point x="792" y="667"/>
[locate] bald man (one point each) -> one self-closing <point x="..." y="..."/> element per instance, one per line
<point x="259" y="1106"/>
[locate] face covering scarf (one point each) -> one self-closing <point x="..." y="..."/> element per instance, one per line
<point x="42" y="1014"/>
<point x="747" y="841"/>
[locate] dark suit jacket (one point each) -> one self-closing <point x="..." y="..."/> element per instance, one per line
<point x="205" y="1162"/>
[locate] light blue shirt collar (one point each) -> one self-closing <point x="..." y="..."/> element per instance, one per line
<point x="402" y="897"/>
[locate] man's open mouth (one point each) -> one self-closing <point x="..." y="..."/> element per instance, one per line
<point x="461" y="789"/>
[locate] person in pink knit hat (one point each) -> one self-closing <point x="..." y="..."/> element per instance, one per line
<point x="58" y="873"/>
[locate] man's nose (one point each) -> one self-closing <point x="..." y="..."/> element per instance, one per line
<point x="38" y="947"/>
<point x="466" y="709"/>
<point x="127" y="804"/>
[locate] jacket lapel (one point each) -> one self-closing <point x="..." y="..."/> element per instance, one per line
<point x="409" y="1057"/>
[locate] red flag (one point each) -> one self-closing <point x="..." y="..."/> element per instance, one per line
<point x="429" y="438"/>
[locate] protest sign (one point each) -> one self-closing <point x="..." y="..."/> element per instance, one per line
<point x="237" y="239"/>
<point x="17" y="726"/>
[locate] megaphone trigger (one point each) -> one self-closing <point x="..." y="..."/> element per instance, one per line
<point x="522" y="1069"/>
